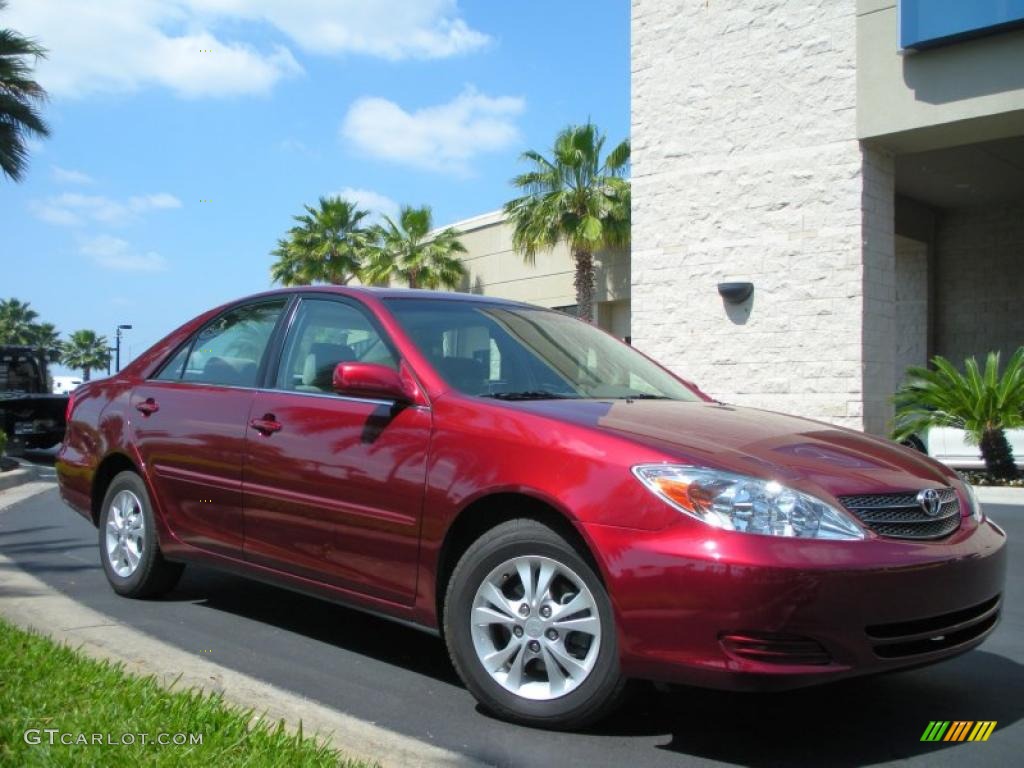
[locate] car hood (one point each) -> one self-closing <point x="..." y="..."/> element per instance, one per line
<point x="761" y="443"/>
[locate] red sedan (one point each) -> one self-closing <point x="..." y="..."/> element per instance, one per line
<point x="564" y="511"/>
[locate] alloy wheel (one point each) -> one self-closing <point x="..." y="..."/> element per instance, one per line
<point x="536" y="628"/>
<point x="126" y="533"/>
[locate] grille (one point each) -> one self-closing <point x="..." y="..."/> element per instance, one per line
<point x="936" y="633"/>
<point x="899" y="516"/>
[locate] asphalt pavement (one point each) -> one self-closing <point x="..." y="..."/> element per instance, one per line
<point x="401" y="679"/>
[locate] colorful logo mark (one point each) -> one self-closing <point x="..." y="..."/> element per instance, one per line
<point x="958" y="730"/>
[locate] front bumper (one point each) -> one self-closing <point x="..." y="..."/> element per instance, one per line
<point x="683" y="595"/>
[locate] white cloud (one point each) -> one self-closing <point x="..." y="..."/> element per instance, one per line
<point x="68" y="176"/>
<point x="192" y="47"/>
<point x="72" y="208"/>
<point x="389" y="29"/>
<point x="159" y="200"/>
<point x="114" y="253"/>
<point x="374" y="202"/>
<point x="298" y="147"/>
<point x="444" y="137"/>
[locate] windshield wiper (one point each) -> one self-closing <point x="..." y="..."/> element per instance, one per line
<point x="529" y="394"/>
<point x="643" y="396"/>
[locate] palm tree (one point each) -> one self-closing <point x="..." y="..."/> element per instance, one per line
<point x="575" y="197"/>
<point x="982" y="403"/>
<point x="407" y="250"/>
<point x="326" y="245"/>
<point x="46" y="337"/>
<point x="17" y="322"/>
<point x="19" y="95"/>
<point x="86" y="350"/>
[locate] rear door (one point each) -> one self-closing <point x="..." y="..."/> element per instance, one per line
<point x="189" y="424"/>
<point x="334" y="488"/>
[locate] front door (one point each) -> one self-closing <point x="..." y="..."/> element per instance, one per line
<point x="189" y="424"/>
<point x="333" y="486"/>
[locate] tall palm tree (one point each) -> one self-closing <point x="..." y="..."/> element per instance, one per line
<point x="19" y="97"/>
<point x="326" y="245"/>
<point x="576" y="197"/>
<point x="406" y="250"/>
<point x="17" y="322"/>
<point x="982" y="403"/>
<point x="46" y="337"/>
<point x="86" y="350"/>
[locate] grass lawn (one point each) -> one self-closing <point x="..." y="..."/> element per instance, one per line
<point x="48" y="686"/>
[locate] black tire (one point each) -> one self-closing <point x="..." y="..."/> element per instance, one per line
<point x="154" y="575"/>
<point x="599" y="692"/>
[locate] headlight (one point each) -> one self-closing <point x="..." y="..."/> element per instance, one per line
<point x="747" y="504"/>
<point x="972" y="498"/>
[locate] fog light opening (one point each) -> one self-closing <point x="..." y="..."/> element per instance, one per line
<point x="774" y="648"/>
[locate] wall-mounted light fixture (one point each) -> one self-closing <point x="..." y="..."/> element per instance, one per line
<point x="735" y="293"/>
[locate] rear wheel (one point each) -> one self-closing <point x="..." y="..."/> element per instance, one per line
<point x="530" y="628"/>
<point x="129" y="549"/>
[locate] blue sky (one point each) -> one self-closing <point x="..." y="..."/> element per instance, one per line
<point x="259" y="106"/>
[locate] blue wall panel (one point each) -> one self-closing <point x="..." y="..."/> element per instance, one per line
<point x="924" y="23"/>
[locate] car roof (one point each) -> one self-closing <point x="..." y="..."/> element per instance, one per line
<point x="392" y="293"/>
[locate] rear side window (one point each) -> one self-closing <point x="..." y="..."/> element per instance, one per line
<point x="229" y="350"/>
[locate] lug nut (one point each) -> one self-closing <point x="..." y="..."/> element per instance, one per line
<point x="552" y="634"/>
<point x="517" y="631"/>
<point x="545" y="611"/>
<point x="524" y="610"/>
<point x="534" y="646"/>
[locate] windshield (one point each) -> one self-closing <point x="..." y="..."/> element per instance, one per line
<point x="518" y="353"/>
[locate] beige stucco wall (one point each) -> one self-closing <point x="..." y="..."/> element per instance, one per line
<point x="965" y="92"/>
<point x="746" y="166"/>
<point x="494" y="268"/>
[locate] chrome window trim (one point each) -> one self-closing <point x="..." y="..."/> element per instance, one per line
<point x="176" y="382"/>
<point x="346" y="398"/>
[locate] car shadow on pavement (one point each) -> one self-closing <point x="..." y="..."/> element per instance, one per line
<point x="850" y="723"/>
<point x="317" y="619"/>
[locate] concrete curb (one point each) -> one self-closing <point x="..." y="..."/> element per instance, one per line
<point x="15" y="477"/>
<point x="994" y="494"/>
<point x="30" y="603"/>
<point x="30" y="487"/>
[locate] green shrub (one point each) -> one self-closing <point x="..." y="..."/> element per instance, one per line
<point x="982" y="403"/>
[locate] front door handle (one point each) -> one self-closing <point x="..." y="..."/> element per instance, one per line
<point x="267" y="425"/>
<point x="147" y="406"/>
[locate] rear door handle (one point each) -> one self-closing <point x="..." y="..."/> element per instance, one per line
<point x="147" y="406"/>
<point x="267" y="425"/>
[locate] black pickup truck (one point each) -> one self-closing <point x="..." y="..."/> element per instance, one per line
<point x="30" y="415"/>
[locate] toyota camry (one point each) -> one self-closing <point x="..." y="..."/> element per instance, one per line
<point x="563" y="511"/>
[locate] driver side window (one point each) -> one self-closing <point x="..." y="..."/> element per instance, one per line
<point x="326" y="333"/>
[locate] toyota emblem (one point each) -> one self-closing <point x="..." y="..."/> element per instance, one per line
<point x="930" y="501"/>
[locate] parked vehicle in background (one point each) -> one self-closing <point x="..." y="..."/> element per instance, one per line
<point x="62" y="385"/>
<point x="30" y="414"/>
<point x="565" y="512"/>
<point x="953" y="448"/>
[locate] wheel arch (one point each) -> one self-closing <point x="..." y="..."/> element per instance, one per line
<point x="111" y="466"/>
<point x="485" y="513"/>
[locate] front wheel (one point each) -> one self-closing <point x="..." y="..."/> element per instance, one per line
<point x="530" y="629"/>
<point x="129" y="549"/>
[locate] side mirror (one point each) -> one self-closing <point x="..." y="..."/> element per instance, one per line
<point x="370" y="380"/>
